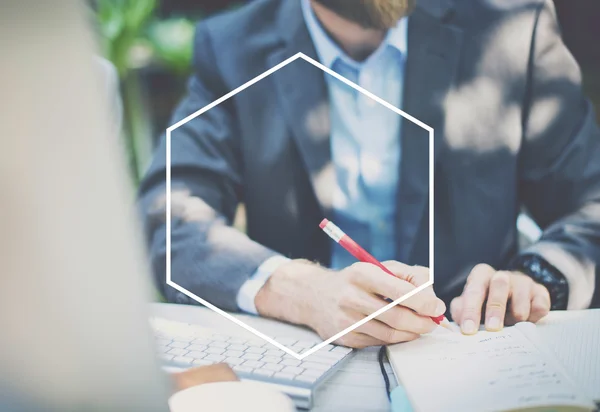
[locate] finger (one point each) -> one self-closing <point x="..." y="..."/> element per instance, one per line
<point x="420" y="275"/>
<point x="401" y="318"/>
<point x="540" y="303"/>
<point x="425" y="303"/>
<point x="397" y="317"/>
<point x="497" y="299"/>
<point x="358" y="340"/>
<point x="415" y="275"/>
<point x="456" y="308"/>
<point x="383" y="332"/>
<point x="521" y="295"/>
<point x="473" y="297"/>
<point x="374" y="280"/>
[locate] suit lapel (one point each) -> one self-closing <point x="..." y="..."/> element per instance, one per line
<point x="303" y="96"/>
<point x="433" y="55"/>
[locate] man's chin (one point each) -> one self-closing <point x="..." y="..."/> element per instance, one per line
<point x="371" y="14"/>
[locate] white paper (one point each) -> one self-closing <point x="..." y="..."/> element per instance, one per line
<point x="489" y="371"/>
<point x="574" y="336"/>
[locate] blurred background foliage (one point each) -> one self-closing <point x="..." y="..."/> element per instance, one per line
<point x="150" y="43"/>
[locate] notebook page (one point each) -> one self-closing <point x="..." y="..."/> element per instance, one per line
<point x="574" y="336"/>
<point x="486" y="372"/>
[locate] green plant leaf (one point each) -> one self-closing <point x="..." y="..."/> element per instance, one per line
<point x="139" y="12"/>
<point x="172" y="42"/>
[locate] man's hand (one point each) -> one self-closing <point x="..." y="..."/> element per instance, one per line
<point x="505" y="297"/>
<point x="220" y="372"/>
<point x="328" y="301"/>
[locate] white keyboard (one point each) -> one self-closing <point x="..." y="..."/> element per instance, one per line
<point x="183" y="345"/>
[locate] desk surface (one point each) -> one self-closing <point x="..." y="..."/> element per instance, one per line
<point x="358" y="386"/>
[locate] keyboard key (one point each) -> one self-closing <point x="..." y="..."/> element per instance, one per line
<point x="201" y="341"/>
<point x="293" y="369"/>
<point x="177" y="352"/>
<point x="291" y="362"/>
<point x="271" y="359"/>
<point x="196" y="354"/>
<point x="214" y="351"/>
<point x="199" y="348"/>
<point x="315" y="365"/>
<point x="177" y="344"/>
<point x="263" y="372"/>
<point x="183" y="359"/>
<point x="331" y="355"/>
<point x="163" y="349"/>
<point x="307" y="379"/>
<point x="284" y="375"/>
<point x="243" y="369"/>
<point x="234" y="361"/>
<point x="202" y="362"/>
<point x="254" y="349"/>
<point x="236" y="345"/>
<point x="305" y="344"/>
<point x="253" y="364"/>
<point x="273" y="367"/>
<point x="275" y="352"/>
<point x="165" y="357"/>
<point x="213" y="357"/>
<point x="219" y="344"/>
<point x="322" y="359"/>
<point x="258" y="342"/>
<point x="341" y="349"/>
<point x="253" y="356"/>
<point x="313" y="372"/>
<point x="286" y="341"/>
<point x="233" y="353"/>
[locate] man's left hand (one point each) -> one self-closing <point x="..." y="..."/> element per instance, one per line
<point x="504" y="297"/>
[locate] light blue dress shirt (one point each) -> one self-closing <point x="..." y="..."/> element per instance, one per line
<point x="365" y="148"/>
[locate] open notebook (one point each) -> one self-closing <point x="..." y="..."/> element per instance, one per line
<point x="574" y="336"/>
<point x="502" y="371"/>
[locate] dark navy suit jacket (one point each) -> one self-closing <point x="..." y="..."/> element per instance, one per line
<point x="512" y="130"/>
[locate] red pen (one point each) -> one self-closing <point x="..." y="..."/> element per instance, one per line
<point x="359" y="253"/>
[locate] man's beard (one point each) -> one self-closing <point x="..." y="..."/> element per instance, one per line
<point x="371" y="14"/>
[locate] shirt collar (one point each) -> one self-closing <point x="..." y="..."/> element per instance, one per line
<point x="329" y="52"/>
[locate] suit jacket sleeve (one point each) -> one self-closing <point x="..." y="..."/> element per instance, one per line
<point x="209" y="258"/>
<point x="560" y="161"/>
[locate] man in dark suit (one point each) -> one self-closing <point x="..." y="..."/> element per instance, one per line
<point x="512" y="130"/>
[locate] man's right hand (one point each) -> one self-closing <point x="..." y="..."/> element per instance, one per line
<point x="328" y="301"/>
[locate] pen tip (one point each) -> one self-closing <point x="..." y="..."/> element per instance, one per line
<point x="323" y="223"/>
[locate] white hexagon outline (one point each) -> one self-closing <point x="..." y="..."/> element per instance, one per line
<point x="168" y="205"/>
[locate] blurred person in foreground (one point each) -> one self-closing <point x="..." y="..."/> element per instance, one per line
<point x="512" y="130"/>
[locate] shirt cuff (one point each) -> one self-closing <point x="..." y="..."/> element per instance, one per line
<point x="248" y="291"/>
